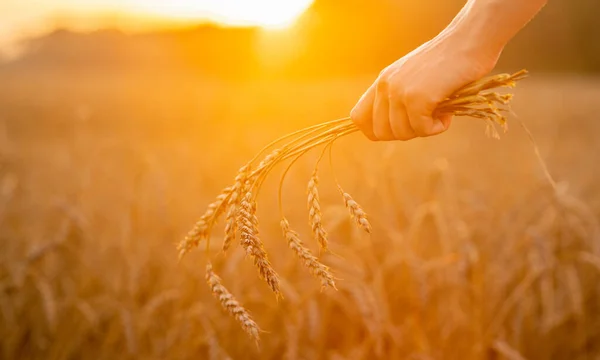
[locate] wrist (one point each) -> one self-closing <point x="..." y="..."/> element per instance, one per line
<point x="478" y="31"/>
<point x="486" y="26"/>
<point x="470" y="45"/>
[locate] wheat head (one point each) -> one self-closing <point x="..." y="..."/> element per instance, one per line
<point x="230" y="304"/>
<point x="201" y="229"/>
<point x="250" y="241"/>
<point x="356" y="212"/>
<point x="233" y="205"/>
<point x="314" y="212"/>
<point x="238" y="202"/>
<point x="307" y="259"/>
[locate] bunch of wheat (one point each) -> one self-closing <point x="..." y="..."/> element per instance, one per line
<point x="238" y="202"/>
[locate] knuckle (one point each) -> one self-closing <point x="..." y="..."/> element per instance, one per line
<point x="383" y="83"/>
<point x="396" y="93"/>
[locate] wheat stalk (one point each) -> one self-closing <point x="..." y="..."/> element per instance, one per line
<point x="238" y="202"/>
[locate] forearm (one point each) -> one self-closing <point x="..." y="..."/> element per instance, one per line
<point x="490" y="24"/>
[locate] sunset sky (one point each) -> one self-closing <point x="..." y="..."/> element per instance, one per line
<point x="19" y="18"/>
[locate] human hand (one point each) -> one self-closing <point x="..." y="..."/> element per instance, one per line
<point x="401" y="102"/>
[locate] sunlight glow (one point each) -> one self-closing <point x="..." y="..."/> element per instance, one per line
<point x="264" y="13"/>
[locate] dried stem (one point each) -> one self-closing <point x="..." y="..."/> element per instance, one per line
<point x="238" y="202"/>
<point x="309" y="130"/>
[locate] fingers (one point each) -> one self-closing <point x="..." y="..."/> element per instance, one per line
<point x="420" y="115"/>
<point x="381" y="113"/>
<point x="399" y="121"/>
<point x="362" y="113"/>
<point x="388" y="111"/>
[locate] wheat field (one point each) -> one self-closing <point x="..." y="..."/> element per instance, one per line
<point x="472" y="254"/>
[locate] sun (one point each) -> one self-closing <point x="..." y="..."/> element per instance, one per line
<point x="263" y="13"/>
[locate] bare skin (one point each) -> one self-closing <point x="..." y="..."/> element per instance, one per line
<point x="401" y="102"/>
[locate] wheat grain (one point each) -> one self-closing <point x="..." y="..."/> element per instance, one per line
<point x="202" y="227"/>
<point x="356" y="212"/>
<point x="239" y="203"/>
<point x="232" y="207"/>
<point x="314" y="212"/>
<point x="248" y="225"/>
<point x="307" y="259"/>
<point x="230" y="304"/>
<point x="244" y="176"/>
<point x="230" y="229"/>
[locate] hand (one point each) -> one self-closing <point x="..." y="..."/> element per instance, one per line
<point x="400" y="104"/>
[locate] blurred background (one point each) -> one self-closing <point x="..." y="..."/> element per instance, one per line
<point x="120" y="121"/>
<point x="301" y="38"/>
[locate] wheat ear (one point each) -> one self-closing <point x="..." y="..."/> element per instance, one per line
<point x="310" y="261"/>
<point x="314" y="212"/>
<point x="239" y="203"/>
<point x="356" y="212"/>
<point x="230" y="304"/>
<point x="233" y="206"/>
<point x="248" y="224"/>
<point x="202" y="228"/>
<point x="305" y="256"/>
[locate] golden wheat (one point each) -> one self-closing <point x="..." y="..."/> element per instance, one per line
<point x="307" y="259"/>
<point x="230" y="304"/>
<point x="202" y="227"/>
<point x="314" y="212"/>
<point x="232" y="207"/>
<point x="473" y="100"/>
<point x="356" y="212"/>
<point x="253" y="245"/>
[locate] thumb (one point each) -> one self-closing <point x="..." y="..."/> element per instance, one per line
<point x="362" y="113"/>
